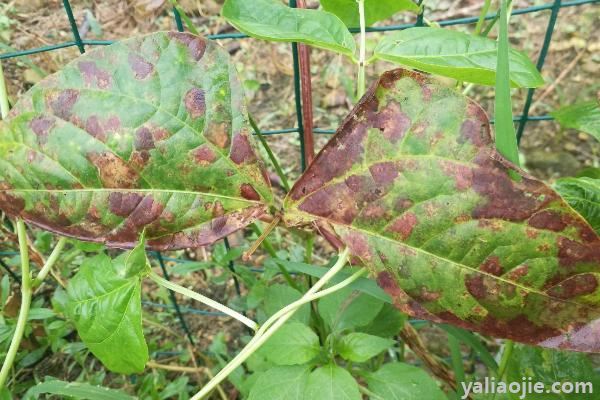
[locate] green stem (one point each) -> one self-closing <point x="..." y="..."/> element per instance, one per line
<point x="271" y="326"/>
<point x="370" y="394"/>
<point x="457" y="364"/>
<point x="272" y="157"/>
<point x="4" y="106"/>
<point x="50" y="262"/>
<point x="506" y="138"/>
<point x="506" y="354"/>
<point x="482" y="14"/>
<point x="361" y="81"/>
<point x="202" y="299"/>
<point x="26" y="293"/>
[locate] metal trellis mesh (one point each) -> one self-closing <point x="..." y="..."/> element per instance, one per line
<point x="521" y="119"/>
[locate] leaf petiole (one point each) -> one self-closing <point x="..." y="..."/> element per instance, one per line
<point x="202" y="299"/>
<point x="361" y="85"/>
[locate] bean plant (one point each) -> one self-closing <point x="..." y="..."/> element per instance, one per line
<point x="146" y="145"/>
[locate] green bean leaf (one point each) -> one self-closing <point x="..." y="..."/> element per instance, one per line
<point x="104" y="302"/>
<point x="273" y="21"/>
<point x="413" y="185"/>
<point x="455" y="55"/>
<point x="583" y="194"/>
<point x="375" y="10"/>
<point x="584" y="117"/>
<point x="148" y="134"/>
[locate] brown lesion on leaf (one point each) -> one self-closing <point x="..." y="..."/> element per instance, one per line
<point x="549" y="220"/>
<point x="101" y="128"/>
<point x="574" y="286"/>
<point x="61" y="102"/>
<point x="384" y="173"/>
<point x="140" y="67"/>
<point x="41" y="126"/>
<point x="143" y="139"/>
<point x="492" y="265"/>
<point x="123" y="204"/>
<point x="462" y="174"/>
<point x="195" y="44"/>
<point x="218" y="134"/>
<point x="572" y="253"/>
<point x="248" y="192"/>
<point x="195" y="102"/>
<point x="404" y="225"/>
<point x="94" y="76"/>
<point x="204" y="155"/>
<point x="392" y="121"/>
<point x="113" y="171"/>
<point x="475" y="284"/>
<point x="241" y="150"/>
<point x="335" y="203"/>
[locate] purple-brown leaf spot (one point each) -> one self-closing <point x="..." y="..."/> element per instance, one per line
<point x="94" y="76"/>
<point x="404" y="225"/>
<point x="578" y="285"/>
<point x="41" y="127"/>
<point x="241" y="151"/>
<point x="62" y="103"/>
<point x="143" y="139"/>
<point x="195" y="102"/>
<point x="204" y="155"/>
<point x="492" y="266"/>
<point x="248" y="192"/>
<point x="140" y="67"/>
<point x="196" y="45"/>
<point x="393" y="122"/>
<point x="123" y="204"/>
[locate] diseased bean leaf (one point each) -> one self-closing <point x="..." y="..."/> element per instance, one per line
<point x="413" y="185"/>
<point x="148" y="133"/>
<point x="583" y="194"/>
<point x="375" y="10"/>
<point x="273" y="21"/>
<point x="584" y="117"/>
<point x="456" y="55"/>
<point x="104" y="302"/>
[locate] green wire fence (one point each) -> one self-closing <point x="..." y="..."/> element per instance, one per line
<point x="554" y="7"/>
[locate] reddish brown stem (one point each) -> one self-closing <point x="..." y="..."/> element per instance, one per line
<point x="306" y="89"/>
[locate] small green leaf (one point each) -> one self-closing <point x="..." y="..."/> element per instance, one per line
<point x="375" y="10"/>
<point x="331" y="382"/>
<point x="584" y="117"/>
<point x="281" y="383"/>
<point x="455" y="55"/>
<point x="107" y="311"/>
<point x="583" y="194"/>
<point x="348" y="309"/>
<point x="40" y="313"/>
<point x="397" y="381"/>
<point x="387" y="323"/>
<point x="76" y="390"/>
<point x="271" y="20"/>
<point x="360" y="347"/>
<point x="278" y="296"/>
<point x="294" y="343"/>
<point x="136" y="260"/>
